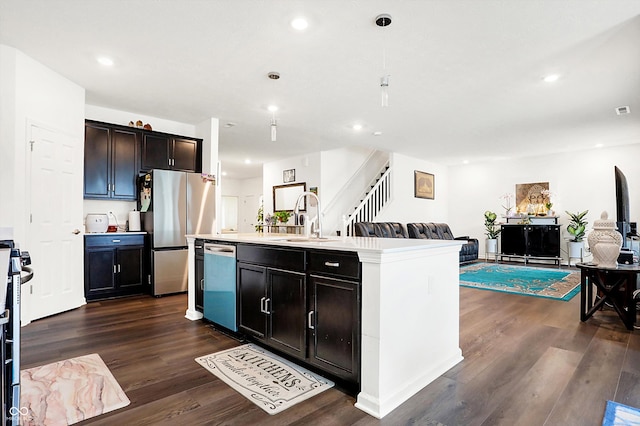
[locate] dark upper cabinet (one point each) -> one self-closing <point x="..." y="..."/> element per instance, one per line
<point x="110" y="162"/>
<point x="161" y="151"/>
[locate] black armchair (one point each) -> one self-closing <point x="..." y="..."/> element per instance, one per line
<point x="441" y="231"/>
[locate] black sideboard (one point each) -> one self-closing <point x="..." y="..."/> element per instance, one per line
<point x="529" y="242"/>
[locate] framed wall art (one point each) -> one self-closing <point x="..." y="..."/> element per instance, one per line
<point x="424" y="185"/>
<point x="289" y="175"/>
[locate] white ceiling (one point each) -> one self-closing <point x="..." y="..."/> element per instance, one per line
<point x="466" y="76"/>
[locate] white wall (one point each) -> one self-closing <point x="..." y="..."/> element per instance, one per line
<point x="30" y="93"/>
<point x="307" y="169"/>
<point x="405" y="207"/>
<point x="578" y="181"/>
<point x="123" y="118"/>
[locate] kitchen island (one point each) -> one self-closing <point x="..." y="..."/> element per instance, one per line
<point x="410" y="309"/>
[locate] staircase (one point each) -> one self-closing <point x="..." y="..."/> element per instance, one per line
<point x="373" y="201"/>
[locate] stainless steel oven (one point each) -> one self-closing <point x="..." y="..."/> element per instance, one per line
<point x="18" y="273"/>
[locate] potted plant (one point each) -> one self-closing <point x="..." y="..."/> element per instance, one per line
<point x="492" y="230"/>
<point x="576" y="228"/>
<point x="282" y="216"/>
<point x="260" y="224"/>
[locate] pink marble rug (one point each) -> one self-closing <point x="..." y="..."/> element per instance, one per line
<point x="69" y="391"/>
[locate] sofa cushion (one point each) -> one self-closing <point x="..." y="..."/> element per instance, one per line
<point x="381" y="229"/>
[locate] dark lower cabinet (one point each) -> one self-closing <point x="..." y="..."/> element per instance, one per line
<point x="304" y="303"/>
<point x="530" y="240"/>
<point x="272" y="306"/>
<point x="114" y="266"/>
<point x="334" y="323"/>
<point x="199" y="275"/>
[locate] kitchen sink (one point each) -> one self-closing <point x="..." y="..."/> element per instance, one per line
<point x="310" y="240"/>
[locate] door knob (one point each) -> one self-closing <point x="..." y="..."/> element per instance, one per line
<point x="76" y="231"/>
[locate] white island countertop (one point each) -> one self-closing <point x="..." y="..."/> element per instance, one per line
<point x="357" y="244"/>
<point x="410" y="309"/>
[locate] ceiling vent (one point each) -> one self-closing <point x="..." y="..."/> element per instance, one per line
<point x="622" y="110"/>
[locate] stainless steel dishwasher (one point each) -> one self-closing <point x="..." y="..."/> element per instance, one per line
<point x="220" y="285"/>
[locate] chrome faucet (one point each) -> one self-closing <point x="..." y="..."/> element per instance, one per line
<point x="296" y="210"/>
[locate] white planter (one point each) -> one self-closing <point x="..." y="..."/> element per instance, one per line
<point x="491" y="246"/>
<point x="576" y="249"/>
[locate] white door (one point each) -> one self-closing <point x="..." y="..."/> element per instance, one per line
<point x="54" y="185"/>
<point x="248" y="213"/>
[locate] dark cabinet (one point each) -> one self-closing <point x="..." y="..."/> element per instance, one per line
<point x="304" y="303"/>
<point x="161" y="151"/>
<point x="113" y="266"/>
<point x="272" y="300"/>
<point x="199" y="275"/>
<point x="334" y="313"/>
<point x="111" y="162"/>
<point x="535" y="241"/>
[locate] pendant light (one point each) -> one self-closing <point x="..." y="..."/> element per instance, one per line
<point x="274" y="122"/>
<point x="384" y="20"/>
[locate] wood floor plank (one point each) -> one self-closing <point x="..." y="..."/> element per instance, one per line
<point x="513" y="346"/>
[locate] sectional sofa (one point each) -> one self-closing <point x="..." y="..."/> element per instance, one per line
<point x="428" y="230"/>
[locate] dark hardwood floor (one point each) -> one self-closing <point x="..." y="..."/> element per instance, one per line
<point x="528" y="361"/>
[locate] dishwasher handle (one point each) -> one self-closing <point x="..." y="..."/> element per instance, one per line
<point x="220" y="250"/>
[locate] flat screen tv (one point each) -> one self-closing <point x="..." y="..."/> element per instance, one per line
<point x="622" y="204"/>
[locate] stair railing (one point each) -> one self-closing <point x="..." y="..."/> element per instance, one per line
<point x="372" y="204"/>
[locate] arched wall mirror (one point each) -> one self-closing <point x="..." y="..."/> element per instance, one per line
<point x="285" y="196"/>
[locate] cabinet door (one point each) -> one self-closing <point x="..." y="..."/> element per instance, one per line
<point x="99" y="271"/>
<point x="334" y="336"/>
<point x="124" y="146"/>
<point x="184" y="155"/>
<point x="543" y="240"/>
<point x="252" y="293"/>
<point x="513" y="240"/>
<point x="199" y="290"/>
<point x="155" y="152"/>
<point x="286" y="309"/>
<point x="97" y="154"/>
<point x="130" y="269"/>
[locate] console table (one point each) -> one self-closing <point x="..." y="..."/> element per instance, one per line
<point x="614" y="285"/>
<point x="530" y="242"/>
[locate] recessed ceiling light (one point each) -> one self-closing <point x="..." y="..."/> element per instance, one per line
<point x="272" y="108"/>
<point x="299" y="24"/>
<point x="224" y="173"/>
<point x="621" y="110"/>
<point x="465" y="161"/>
<point x="247" y="161"/>
<point x="103" y="60"/>
<point x="229" y="124"/>
<point x="377" y="133"/>
<point x="551" y="78"/>
<point x="599" y="145"/>
<point x="357" y="127"/>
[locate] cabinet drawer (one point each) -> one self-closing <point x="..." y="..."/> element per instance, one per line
<point x="340" y="264"/>
<point x="115" y="240"/>
<point x="290" y="259"/>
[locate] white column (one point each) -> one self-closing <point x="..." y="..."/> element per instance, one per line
<point x="191" y="313"/>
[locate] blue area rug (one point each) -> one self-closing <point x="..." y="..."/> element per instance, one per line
<point x="620" y="415"/>
<point x="540" y="282"/>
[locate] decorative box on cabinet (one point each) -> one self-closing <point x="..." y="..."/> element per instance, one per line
<point x="114" y="265"/>
<point x="111" y="161"/>
<point x="530" y="242"/>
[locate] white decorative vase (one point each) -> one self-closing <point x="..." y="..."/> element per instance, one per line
<point x="575" y="249"/>
<point x="605" y="242"/>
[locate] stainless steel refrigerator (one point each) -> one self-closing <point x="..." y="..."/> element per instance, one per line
<point x="172" y="205"/>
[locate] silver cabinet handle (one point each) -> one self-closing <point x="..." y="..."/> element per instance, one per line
<point x="202" y="284"/>
<point x="262" y="308"/>
<point x="310" y="320"/>
<point x="332" y="264"/>
<point x="198" y="247"/>
<point x="115" y="241"/>
<point x="119" y="268"/>
<point x="169" y="161"/>
<point x="266" y="306"/>
<point x="114" y="269"/>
